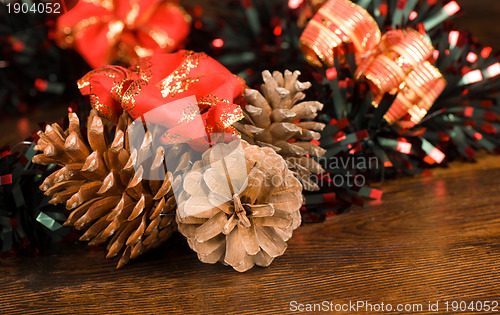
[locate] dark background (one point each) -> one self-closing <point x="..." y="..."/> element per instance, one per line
<point x="481" y="18"/>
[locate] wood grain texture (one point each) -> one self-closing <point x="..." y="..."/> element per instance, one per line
<point x="432" y="238"/>
<point x="480" y="19"/>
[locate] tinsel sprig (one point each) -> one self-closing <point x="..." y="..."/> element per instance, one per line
<point x="249" y="37"/>
<point x="28" y="223"/>
<point x="34" y="72"/>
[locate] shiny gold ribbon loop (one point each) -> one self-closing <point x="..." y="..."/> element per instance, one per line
<point x="398" y="53"/>
<point x="418" y="92"/>
<point x="338" y="21"/>
<point x="395" y="62"/>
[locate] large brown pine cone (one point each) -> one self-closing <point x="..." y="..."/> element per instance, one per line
<point x="103" y="183"/>
<point x="239" y="205"/>
<point x="275" y="119"/>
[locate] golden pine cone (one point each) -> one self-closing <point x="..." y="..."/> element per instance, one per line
<point x="239" y="215"/>
<point x="275" y="119"/>
<point x="103" y="183"/>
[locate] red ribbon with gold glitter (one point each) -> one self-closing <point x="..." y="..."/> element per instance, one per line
<point x="396" y="62"/>
<point x="167" y="81"/>
<point x="104" y="31"/>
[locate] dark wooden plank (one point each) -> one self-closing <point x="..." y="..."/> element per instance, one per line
<point x="479" y="19"/>
<point x="432" y="238"/>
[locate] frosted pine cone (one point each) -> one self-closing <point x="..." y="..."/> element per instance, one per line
<point x="275" y="119"/>
<point x="239" y="215"/>
<point x="103" y="183"/>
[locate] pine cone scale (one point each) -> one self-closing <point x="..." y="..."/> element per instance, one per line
<point x="224" y="222"/>
<point x="105" y="187"/>
<point x="275" y="119"/>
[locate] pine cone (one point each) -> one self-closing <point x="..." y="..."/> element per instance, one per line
<point x="276" y="120"/>
<point x="244" y="217"/>
<point x="104" y="184"/>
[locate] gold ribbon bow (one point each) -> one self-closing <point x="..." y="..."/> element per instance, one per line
<point x="396" y="62"/>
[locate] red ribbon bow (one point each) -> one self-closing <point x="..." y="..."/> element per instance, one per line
<point x="183" y="92"/>
<point x="103" y="31"/>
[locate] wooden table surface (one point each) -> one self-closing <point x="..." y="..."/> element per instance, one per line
<point x="434" y="238"/>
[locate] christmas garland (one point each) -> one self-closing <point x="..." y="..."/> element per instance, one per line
<point x="35" y="73"/>
<point x="176" y="141"/>
<point x="461" y="121"/>
<point x="28" y="222"/>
